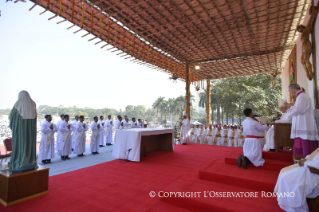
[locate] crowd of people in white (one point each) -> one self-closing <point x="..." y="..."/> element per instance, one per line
<point x="71" y="136"/>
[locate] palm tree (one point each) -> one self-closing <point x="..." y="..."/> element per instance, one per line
<point x="214" y="103"/>
<point x="157" y="104"/>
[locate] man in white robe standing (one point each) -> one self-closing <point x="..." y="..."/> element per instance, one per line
<point x="74" y="132"/>
<point x="125" y="122"/>
<point x="139" y="123"/>
<point x="270" y="141"/>
<point x="102" y="127"/>
<point x="109" y="131"/>
<point x="46" y="152"/>
<point x="252" y="146"/>
<point x="186" y="130"/>
<point x="94" y="145"/>
<point x="65" y="139"/>
<point x="81" y="128"/>
<point x="118" y="122"/>
<point x="304" y="127"/>
<point x="301" y="180"/>
<point x="59" y="134"/>
<point x="133" y="123"/>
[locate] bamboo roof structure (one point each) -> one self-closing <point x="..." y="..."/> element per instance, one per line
<point x="227" y="38"/>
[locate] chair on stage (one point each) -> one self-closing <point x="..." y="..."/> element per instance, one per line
<point x="8" y="147"/>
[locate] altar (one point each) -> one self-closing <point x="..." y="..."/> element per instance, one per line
<point x="132" y="143"/>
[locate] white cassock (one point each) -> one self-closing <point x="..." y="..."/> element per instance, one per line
<point x="59" y="134"/>
<point x="101" y="137"/>
<point x="222" y="137"/>
<point x="117" y="124"/>
<point x="125" y="124"/>
<point x="203" y="136"/>
<point x="109" y="131"/>
<point x="300" y="181"/>
<point x="133" y="125"/>
<point x="139" y="125"/>
<point x="212" y="138"/>
<point x="270" y="141"/>
<point x="303" y="123"/>
<point x="229" y="135"/>
<point x="94" y="145"/>
<point x="79" y="146"/>
<point x="252" y="146"/>
<point x="236" y="137"/>
<point x="196" y="134"/>
<point x="74" y="132"/>
<point x="46" y="151"/>
<point x="65" y="139"/>
<point x="185" y="131"/>
<point x="192" y="135"/>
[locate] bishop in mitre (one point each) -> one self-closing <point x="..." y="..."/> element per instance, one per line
<point x="185" y="130"/>
<point x="23" y="123"/>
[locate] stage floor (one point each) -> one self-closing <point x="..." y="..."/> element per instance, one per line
<point x="129" y="186"/>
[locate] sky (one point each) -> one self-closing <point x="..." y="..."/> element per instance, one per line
<point x="58" y="67"/>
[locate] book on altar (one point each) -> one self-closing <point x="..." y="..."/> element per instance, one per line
<point x="263" y="120"/>
<point x="281" y="102"/>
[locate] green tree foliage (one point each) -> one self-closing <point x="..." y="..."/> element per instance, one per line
<point x="233" y="95"/>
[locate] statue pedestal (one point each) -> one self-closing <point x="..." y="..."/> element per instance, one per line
<point x="17" y="187"/>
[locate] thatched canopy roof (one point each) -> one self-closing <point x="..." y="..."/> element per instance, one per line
<point x="227" y="38"/>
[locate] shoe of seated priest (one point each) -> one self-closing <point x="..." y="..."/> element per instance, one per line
<point x="44" y="161"/>
<point x="49" y="161"/>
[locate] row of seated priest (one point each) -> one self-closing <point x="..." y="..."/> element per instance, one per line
<point x="233" y="136"/>
<point x="228" y="136"/>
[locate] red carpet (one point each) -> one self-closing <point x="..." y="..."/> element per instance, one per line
<point x="121" y="186"/>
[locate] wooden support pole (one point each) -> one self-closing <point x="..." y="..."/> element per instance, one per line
<point x="99" y="42"/>
<point x="188" y="93"/>
<point x="208" y="120"/>
<point x="61" y="21"/>
<point x="32" y="7"/>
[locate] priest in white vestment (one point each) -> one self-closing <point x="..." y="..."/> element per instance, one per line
<point x="285" y="118"/>
<point x="95" y="128"/>
<point x="74" y="132"/>
<point x="203" y="135"/>
<point x="185" y="134"/>
<point x="133" y="123"/>
<point x="46" y="152"/>
<point x="102" y="127"/>
<point x="302" y="181"/>
<point x="118" y="122"/>
<point x="236" y="136"/>
<point x="65" y="139"/>
<point x="192" y="134"/>
<point x="109" y="131"/>
<point x="125" y="122"/>
<point x="58" y="126"/>
<point x="252" y="147"/>
<point x="139" y="123"/>
<point x="230" y="137"/>
<point x="81" y="128"/>
<point x="304" y="127"/>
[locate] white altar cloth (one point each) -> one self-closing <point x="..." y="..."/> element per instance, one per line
<point x="126" y="139"/>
